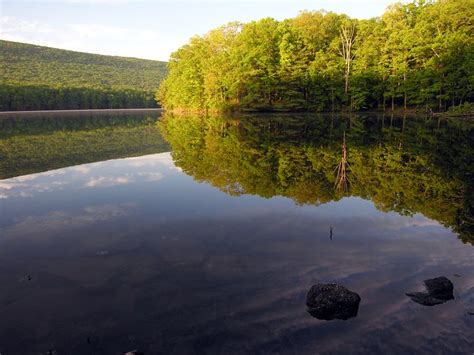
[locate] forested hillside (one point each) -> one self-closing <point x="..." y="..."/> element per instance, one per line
<point x="415" y="55"/>
<point x="35" y="77"/>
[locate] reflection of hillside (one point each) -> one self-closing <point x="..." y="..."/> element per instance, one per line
<point x="402" y="165"/>
<point x="40" y="144"/>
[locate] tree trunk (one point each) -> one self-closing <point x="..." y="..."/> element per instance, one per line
<point x="404" y="91"/>
<point x="347" y="34"/>
<point x="332" y="99"/>
<point x="440" y="101"/>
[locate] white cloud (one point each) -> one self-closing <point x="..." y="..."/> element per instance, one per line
<point x="114" y="32"/>
<point x="34" y="32"/>
<point x="97" y="1"/>
<point x="100" y="30"/>
<point x="10" y="25"/>
<point x="90" y="38"/>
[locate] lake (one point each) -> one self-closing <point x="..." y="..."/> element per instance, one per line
<point x="202" y="235"/>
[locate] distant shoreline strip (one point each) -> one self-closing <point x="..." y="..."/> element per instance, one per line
<point x="83" y="111"/>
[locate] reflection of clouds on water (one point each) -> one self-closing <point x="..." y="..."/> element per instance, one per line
<point x="285" y="261"/>
<point x="103" y="181"/>
<point x="57" y="221"/>
<point x="84" y="169"/>
<point x="248" y="261"/>
<point x="110" y="173"/>
<point x="151" y="176"/>
<point x="26" y="177"/>
<point x="165" y="159"/>
<point x="8" y="185"/>
<point x="107" y="181"/>
<point x="24" y="188"/>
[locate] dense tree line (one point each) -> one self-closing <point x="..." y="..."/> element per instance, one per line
<point x="38" y="97"/>
<point x="419" y="54"/>
<point x="36" y="77"/>
<point x="401" y="164"/>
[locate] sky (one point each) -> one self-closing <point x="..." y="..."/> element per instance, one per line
<point x="146" y="28"/>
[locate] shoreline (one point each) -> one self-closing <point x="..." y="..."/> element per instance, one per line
<point x="82" y="110"/>
<point x="387" y="113"/>
<point x="398" y="112"/>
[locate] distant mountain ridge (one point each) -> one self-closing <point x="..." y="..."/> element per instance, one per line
<point x="37" y="77"/>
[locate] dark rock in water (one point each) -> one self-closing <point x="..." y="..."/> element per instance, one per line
<point x="439" y="290"/>
<point x="424" y="299"/>
<point x="332" y="301"/>
<point x="471" y="313"/>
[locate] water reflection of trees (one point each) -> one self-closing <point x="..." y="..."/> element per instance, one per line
<point x="38" y="143"/>
<point x="407" y="165"/>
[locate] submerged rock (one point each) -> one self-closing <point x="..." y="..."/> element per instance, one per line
<point x="439" y="290"/>
<point x="424" y="298"/>
<point x="332" y="301"/>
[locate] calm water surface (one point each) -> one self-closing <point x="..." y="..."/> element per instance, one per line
<point x="192" y="235"/>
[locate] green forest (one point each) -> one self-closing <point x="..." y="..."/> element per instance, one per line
<point x="42" y="78"/>
<point x="418" y="55"/>
<point x="404" y="164"/>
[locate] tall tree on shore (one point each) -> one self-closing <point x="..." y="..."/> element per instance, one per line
<point x="347" y="35"/>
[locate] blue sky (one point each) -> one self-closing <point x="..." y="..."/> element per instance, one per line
<point x="147" y="29"/>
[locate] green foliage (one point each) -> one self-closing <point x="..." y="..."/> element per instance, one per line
<point x="404" y="165"/>
<point x="466" y="107"/>
<point x="419" y="54"/>
<point x="35" y="77"/>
